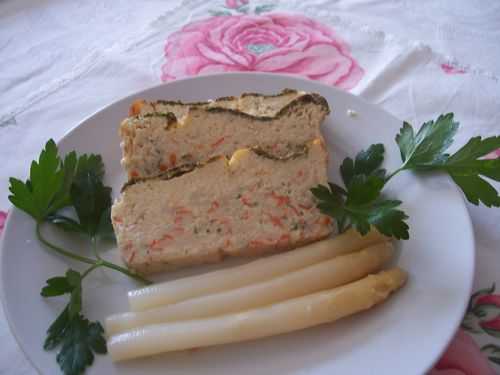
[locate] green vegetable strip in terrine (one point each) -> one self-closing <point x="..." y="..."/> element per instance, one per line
<point x="250" y="103"/>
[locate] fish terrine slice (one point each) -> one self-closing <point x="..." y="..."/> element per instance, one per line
<point x="251" y="204"/>
<point x="156" y="143"/>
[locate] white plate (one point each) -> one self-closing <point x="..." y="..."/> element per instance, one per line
<point x="406" y="335"/>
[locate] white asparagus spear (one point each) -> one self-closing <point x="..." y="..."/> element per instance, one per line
<point x="287" y="316"/>
<point x="320" y="276"/>
<point x="250" y="273"/>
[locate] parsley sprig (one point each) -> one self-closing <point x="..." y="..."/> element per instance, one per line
<point x="74" y="184"/>
<point x="361" y="203"/>
<point x="78" y="338"/>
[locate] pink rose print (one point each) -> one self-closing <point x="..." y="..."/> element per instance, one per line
<point x="489" y="299"/>
<point x="233" y="4"/>
<point x="3" y="219"/>
<point x="483" y="316"/>
<point x="462" y="357"/>
<point x="492" y="326"/>
<point x="280" y="43"/>
<point x="450" y="69"/>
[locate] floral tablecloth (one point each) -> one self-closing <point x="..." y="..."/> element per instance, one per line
<point x="61" y="61"/>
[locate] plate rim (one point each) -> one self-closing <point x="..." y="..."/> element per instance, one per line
<point x="88" y="118"/>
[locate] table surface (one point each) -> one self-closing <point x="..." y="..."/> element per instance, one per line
<point x="49" y="48"/>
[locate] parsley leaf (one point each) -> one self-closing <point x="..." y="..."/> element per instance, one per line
<point x="363" y="189"/>
<point x="79" y="337"/>
<point x="425" y="152"/>
<point x="465" y="169"/>
<point x="81" y="340"/>
<point x="54" y="184"/>
<point x="56" y="331"/>
<point x="331" y="202"/>
<point x="105" y="228"/>
<point x="366" y="163"/>
<point x="71" y="284"/>
<point x="425" y="149"/>
<point x="56" y="286"/>
<point x="91" y="164"/>
<point x="384" y="216"/>
<point x="91" y="199"/>
<point x="363" y="207"/>
<point x="44" y="191"/>
<point x="88" y="196"/>
<point x="68" y="166"/>
<point x="360" y="205"/>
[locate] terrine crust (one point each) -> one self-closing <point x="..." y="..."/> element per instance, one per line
<point x="202" y="106"/>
